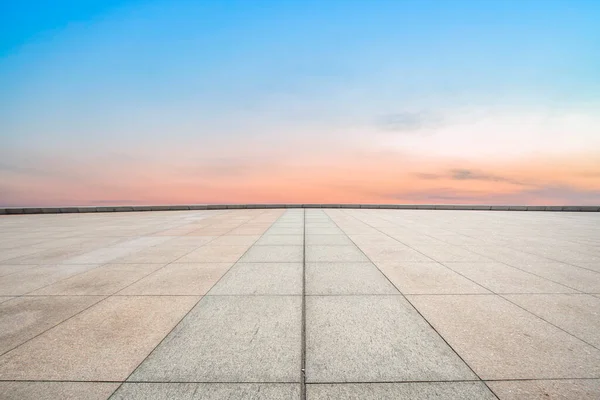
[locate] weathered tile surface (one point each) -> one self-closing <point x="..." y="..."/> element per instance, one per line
<point x="88" y="301"/>
<point x="374" y="339"/>
<point x="57" y="390"/>
<point x="346" y="278"/>
<point x="502" y="341"/>
<point x="231" y="339"/>
<point x="578" y="314"/>
<point x="208" y="391"/>
<point x="261" y="279"/>
<point x="393" y="391"/>
<point x="576" y="389"/>
<point x="25" y="317"/>
<point x="179" y="279"/>
<point x="106" y="342"/>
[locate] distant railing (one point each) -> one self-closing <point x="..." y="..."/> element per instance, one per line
<point x="193" y="207"/>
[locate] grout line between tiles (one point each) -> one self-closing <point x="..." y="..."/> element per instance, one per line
<point x="501" y="295"/>
<point x="189" y="311"/>
<point x="418" y="312"/>
<point x="296" y="383"/>
<point x="303" y="323"/>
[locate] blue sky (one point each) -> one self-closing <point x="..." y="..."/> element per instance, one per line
<point x="192" y="82"/>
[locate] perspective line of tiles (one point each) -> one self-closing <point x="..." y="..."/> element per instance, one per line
<point x="231" y="312"/>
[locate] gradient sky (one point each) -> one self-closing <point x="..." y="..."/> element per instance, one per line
<point x="391" y="101"/>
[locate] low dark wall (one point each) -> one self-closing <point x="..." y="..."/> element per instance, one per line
<point x="58" y="210"/>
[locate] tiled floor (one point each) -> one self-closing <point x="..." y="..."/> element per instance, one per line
<point x="294" y="304"/>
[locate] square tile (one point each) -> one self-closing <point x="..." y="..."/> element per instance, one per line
<point x="7" y="269"/>
<point x="393" y="253"/>
<point x="104" y="280"/>
<point x="569" y="275"/>
<point x="26" y="281"/>
<point x="299" y="230"/>
<point x="334" y="254"/>
<point x="209" y="253"/>
<point x="501" y="278"/>
<point x="155" y="255"/>
<point x="427" y="278"/>
<point x="208" y="391"/>
<point x="374" y="339"/>
<point x="328" y="240"/>
<point x="580" y="389"/>
<point x="179" y="279"/>
<point x="57" y="390"/>
<point x="502" y="341"/>
<point x="394" y="391"/>
<point x="261" y="279"/>
<point x="578" y="314"/>
<point x="323" y="231"/>
<point x="328" y="278"/>
<point x="235" y="240"/>
<point x="231" y="339"/>
<point x="285" y="240"/>
<point x="25" y="317"/>
<point x="104" y="343"/>
<point x="263" y="254"/>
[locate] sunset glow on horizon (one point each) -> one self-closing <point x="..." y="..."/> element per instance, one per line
<point x="181" y="102"/>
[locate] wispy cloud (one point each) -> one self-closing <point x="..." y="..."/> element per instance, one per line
<point x="22" y="170"/>
<point x="408" y="122"/>
<point x="557" y="194"/>
<point x="462" y="174"/>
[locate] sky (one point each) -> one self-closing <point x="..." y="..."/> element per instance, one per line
<point x="299" y="101"/>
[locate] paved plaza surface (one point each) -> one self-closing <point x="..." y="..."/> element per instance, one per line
<point x="300" y="303"/>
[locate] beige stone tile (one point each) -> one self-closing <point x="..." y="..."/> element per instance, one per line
<point x="208" y="391"/>
<point x="261" y="279"/>
<point x="25" y="317"/>
<point x="31" y="279"/>
<point x="427" y="278"/>
<point x="578" y="314"/>
<point x="501" y="278"/>
<point x="394" y="391"/>
<point x="235" y="240"/>
<point x="220" y="254"/>
<point x="577" y="389"/>
<point x="350" y="253"/>
<point x="501" y="341"/>
<point x="104" y="343"/>
<point x="374" y="339"/>
<point x="231" y="339"/>
<point x="569" y="275"/>
<point x="346" y="278"/>
<point x="105" y="280"/>
<point x="57" y="390"/>
<point x="273" y="254"/>
<point x="7" y="269"/>
<point x="179" y="279"/>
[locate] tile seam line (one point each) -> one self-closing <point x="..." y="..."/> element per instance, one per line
<point x="311" y="383"/>
<point x="474" y="252"/>
<point x="173" y="262"/>
<point x="511" y="248"/>
<point x="104" y="296"/>
<point x="308" y="295"/>
<point x="124" y="239"/>
<point x="414" y="308"/>
<point x="303" y="316"/>
<point x="191" y="308"/>
<point x="501" y="295"/>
